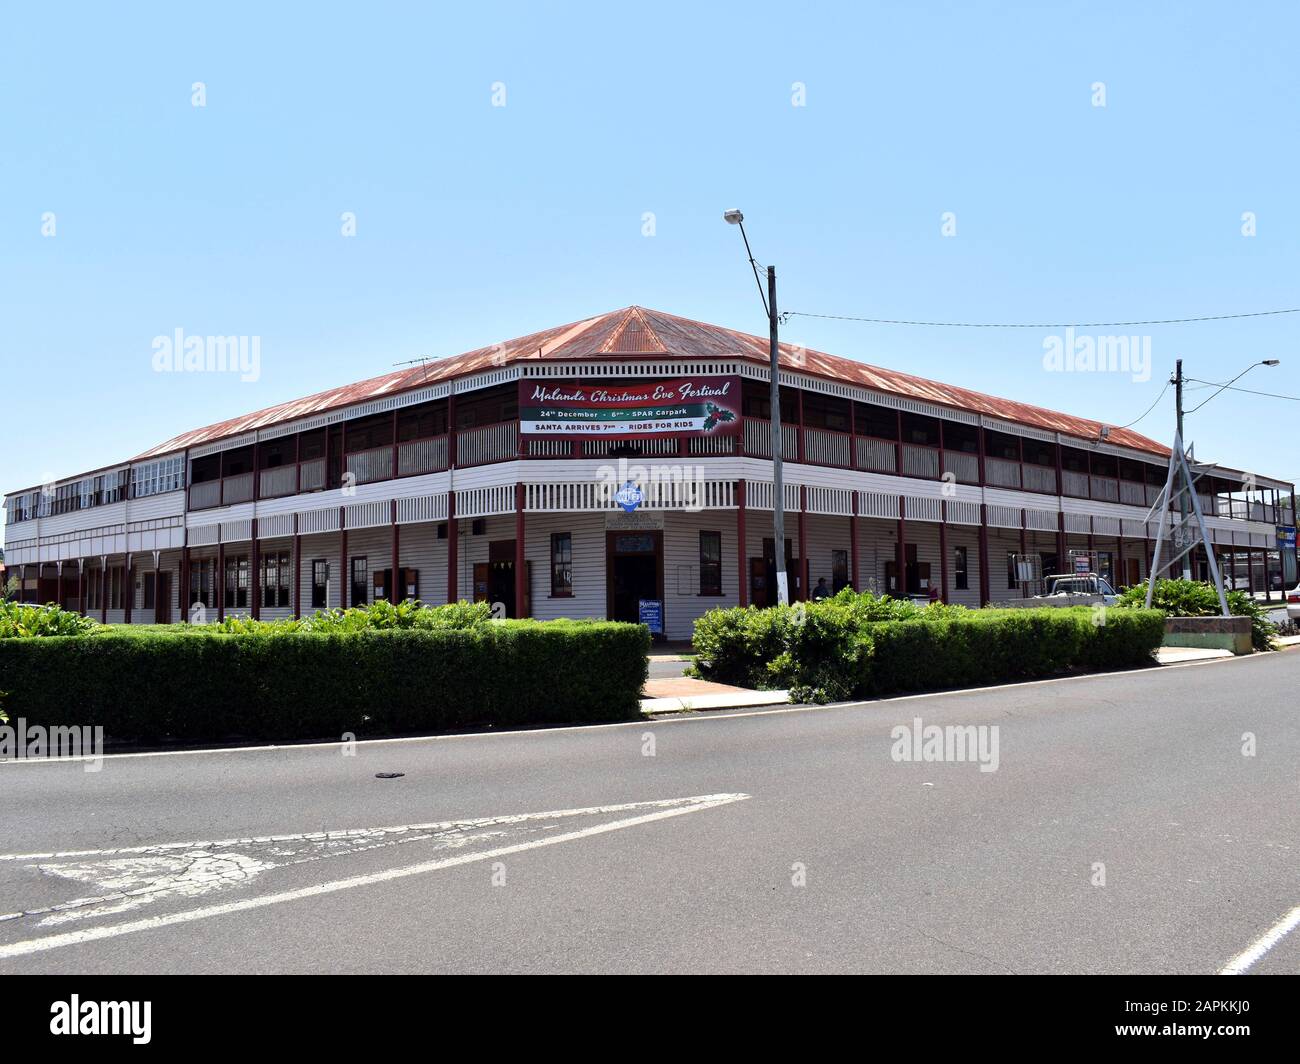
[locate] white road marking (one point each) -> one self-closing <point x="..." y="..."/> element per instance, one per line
<point x="718" y="715"/>
<point x="1248" y="958"/>
<point x="662" y="810"/>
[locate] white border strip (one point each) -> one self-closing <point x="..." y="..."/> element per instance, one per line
<point x="1248" y="958"/>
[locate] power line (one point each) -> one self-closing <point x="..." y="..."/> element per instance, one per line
<point x="786" y="315"/>
<point x="1148" y="409"/>
<point x="1249" y="391"/>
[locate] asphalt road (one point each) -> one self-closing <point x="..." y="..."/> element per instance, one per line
<point x="905" y="867"/>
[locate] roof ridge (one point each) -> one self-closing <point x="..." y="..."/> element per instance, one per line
<point x="632" y="314"/>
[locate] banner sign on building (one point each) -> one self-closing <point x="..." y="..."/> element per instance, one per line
<point x="683" y="406"/>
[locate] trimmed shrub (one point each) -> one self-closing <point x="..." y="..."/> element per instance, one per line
<point x="1004" y="646"/>
<point x="827" y="650"/>
<point x="19" y="620"/>
<point x="196" y="684"/>
<point x="1198" y="598"/>
<point x="377" y="615"/>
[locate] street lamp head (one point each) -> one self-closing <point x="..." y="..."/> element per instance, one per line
<point x="733" y="216"/>
<point x="1271" y="362"/>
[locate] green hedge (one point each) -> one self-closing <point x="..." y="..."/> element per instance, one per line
<point x="1198" y="598"/>
<point x="1001" y="646"/>
<point x="837" y="650"/>
<point x="201" y="685"/>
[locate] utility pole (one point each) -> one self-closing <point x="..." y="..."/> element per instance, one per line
<point x="778" y="488"/>
<point x="1182" y="495"/>
<point x="735" y="217"/>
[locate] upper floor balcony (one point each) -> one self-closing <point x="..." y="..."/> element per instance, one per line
<point x="502" y="441"/>
<point x="814" y="430"/>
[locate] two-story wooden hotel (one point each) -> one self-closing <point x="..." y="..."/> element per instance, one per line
<point x="586" y="469"/>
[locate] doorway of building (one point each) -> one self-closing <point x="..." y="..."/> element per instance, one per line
<point x="494" y="580"/>
<point x="162" y="610"/>
<point x="762" y="574"/>
<point x="634" y="570"/>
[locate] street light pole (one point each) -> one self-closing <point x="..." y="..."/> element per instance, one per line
<point x="778" y="481"/>
<point x="735" y="217"/>
<point x="1182" y="495"/>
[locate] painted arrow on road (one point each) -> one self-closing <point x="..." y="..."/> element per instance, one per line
<point x="127" y="878"/>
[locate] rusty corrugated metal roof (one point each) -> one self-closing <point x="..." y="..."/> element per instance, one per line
<point x="639" y="331"/>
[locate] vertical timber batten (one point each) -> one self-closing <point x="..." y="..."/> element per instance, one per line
<point x="984" y="553"/>
<point x="803" y="541"/>
<point x="254" y="576"/>
<point x="521" y="562"/>
<point x="742" y="570"/>
<point x="453" y="539"/>
<point x="344" y="575"/>
<point x="397" y="584"/>
<point x="297" y="571"/>
<point x="855" y="575"/>
<point x="943" y="550"/>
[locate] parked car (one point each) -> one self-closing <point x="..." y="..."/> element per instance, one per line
<point x="1071" y="589"/>
<point x="1293" y="604"/>
<point x="1081" y="584"/>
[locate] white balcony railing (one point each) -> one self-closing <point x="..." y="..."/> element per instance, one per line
<point x="880" y="456"/>
<point x="282" y="480"/>
<point x="920" y="461"/>
<point x="1074" y="484"/>
<point x="965" y="467"/>
<point x="713" y="444"/>
<point x="1132" y="494"/>
<point x="1105" y="489"/>
<point x="374" y="464"/>
<point x="654" y="446"/>
<point x="1039" y="478"/>
<point x="238" y="488"/>
<point x="550" y="447"/>
<point x="1002" y="473"/>
<point x="205" y="495"/>
<point x="824" y="447"/>
<point x="311" y="475"/>
<point x="758" y="439"/>
<point x="424" y="456"/>
<point x="491" y="443"/>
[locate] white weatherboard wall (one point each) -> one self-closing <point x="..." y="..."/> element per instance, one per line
<point x="925" y="535"/>
<point x="587" y="536"/>
<point x="758" y="527"/>
<point x="473" y="549"/>
<point x="420" y="548"/>
<point x="683" y="602"/>
<point x="376" y="546"/>
<point x="320" y="546"/>
<point x="826" y="533"/>
<point x="964" y="536"/>
<point x="876" y="541"/>
<point x="1002" y="541"/>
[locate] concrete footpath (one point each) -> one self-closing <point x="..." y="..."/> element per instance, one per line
<point x="668" y="691"/>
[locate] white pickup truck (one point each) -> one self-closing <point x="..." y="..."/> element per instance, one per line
<point x="1077" y="589"/>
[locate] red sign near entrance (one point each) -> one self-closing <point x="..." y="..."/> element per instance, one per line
<point x="682" y="406"/>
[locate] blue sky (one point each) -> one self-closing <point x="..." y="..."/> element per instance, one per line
<point x="476" y="223"/>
